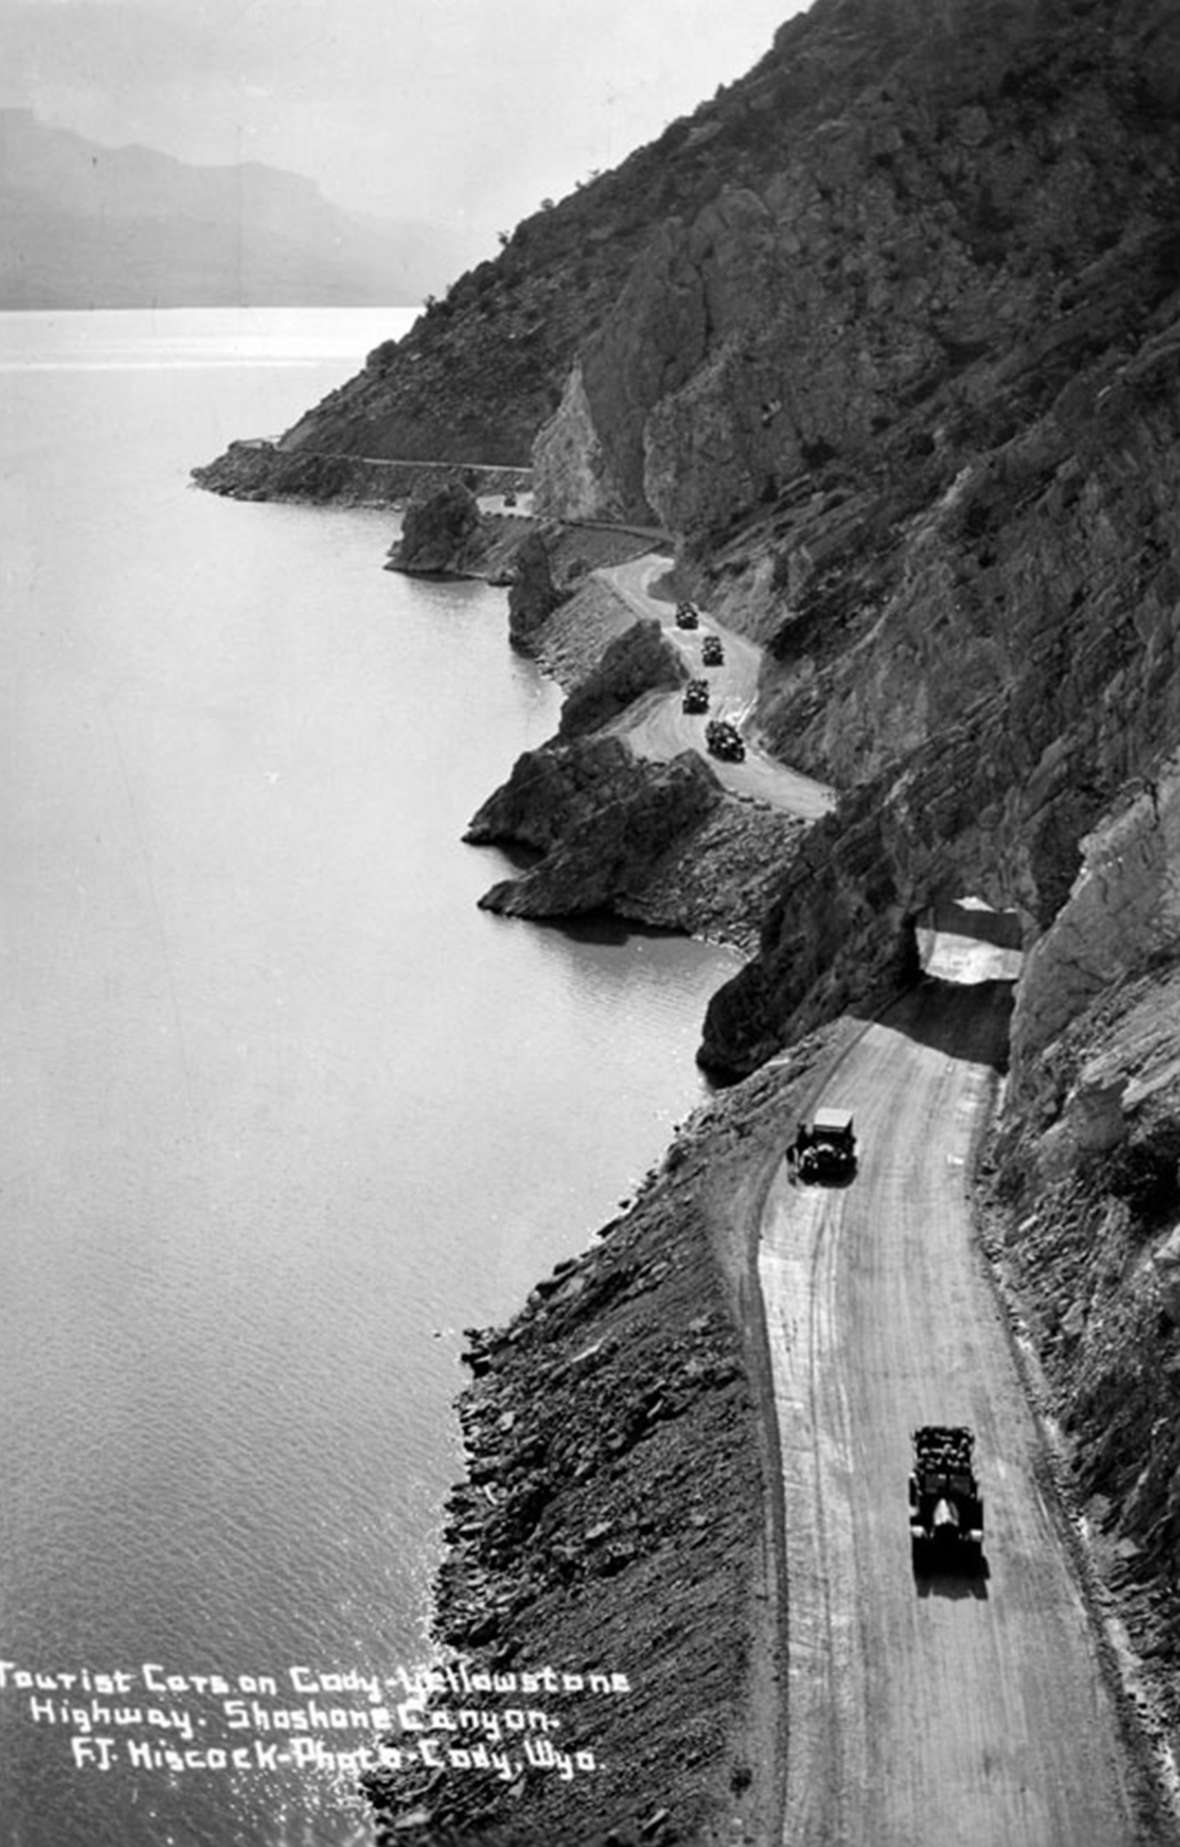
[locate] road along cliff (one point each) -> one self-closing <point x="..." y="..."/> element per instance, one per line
<point x="624" y="810"/>
<point x="958" y="1706"/>
<point x="986" y="1705"/>
<point x="687" y="1462"/>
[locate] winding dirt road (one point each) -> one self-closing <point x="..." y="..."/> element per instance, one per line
<point x="656" y="726"/>
<point x="945" y="1710"/>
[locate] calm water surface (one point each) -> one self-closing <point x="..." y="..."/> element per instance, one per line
<point x="283" y="1111"/>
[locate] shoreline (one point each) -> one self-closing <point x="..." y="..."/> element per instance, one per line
<point x="651" y="1490"/>
<point x="620" y="1513"/>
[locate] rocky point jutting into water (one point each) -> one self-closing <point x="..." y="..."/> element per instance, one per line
<point x="886" y="339"/>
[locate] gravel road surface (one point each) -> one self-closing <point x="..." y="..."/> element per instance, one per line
<point x="921" y="1711"/>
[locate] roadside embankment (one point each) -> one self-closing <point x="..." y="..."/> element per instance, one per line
<point x="617" y="1516"/>
<point x="1082" y="1207"/>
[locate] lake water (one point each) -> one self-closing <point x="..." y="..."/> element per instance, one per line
<point x="283" y="1110"/>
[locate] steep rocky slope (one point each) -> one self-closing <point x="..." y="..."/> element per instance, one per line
<point x="920" y="192"/>
<point x="484" y="366"/>
<point x="617" y="1516"/>
<point x="1083" y="1202"/>
<point x="1083" y="1215"/>
<point x="887" y="333"/>
<point x="892" y="194"/>
<point x="1007" y="675"/>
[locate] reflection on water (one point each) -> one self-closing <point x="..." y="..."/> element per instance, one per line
<point x="603" y="927"/>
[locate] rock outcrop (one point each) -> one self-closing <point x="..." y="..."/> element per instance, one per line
<point x="601" y="818"/>
<point x="532" y="595"/>
<point x="438" y="529"/>
<point x="660" y="844"/>
<point x="641" y="660"/>
<point x="1121" y="917"/>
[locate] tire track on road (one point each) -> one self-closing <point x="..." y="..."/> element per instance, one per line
<point x="921" y="1712"/>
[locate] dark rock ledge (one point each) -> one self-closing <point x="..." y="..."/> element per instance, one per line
<point x="658" y="843"/>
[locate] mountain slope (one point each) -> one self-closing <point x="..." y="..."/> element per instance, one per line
<point x="89" y="226"/>
<point x="888" y="334"/>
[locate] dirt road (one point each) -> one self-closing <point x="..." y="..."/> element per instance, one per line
<point x="657" y="727"/>
<point x="921" y="1712"/>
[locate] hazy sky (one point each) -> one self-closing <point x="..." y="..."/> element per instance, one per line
<point x="466" y="110"/>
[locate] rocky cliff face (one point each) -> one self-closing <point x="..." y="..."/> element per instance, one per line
<point x="1083" y="1203"/>
<point x="986" y="677"/>
<point x="795" y="266"/>
<point x="1121" y="918"/>
<point x="897" y="201"/>
<point x="488" y="363"/>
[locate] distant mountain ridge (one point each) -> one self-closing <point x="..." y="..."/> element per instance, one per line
<point x="86" y="226"/>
